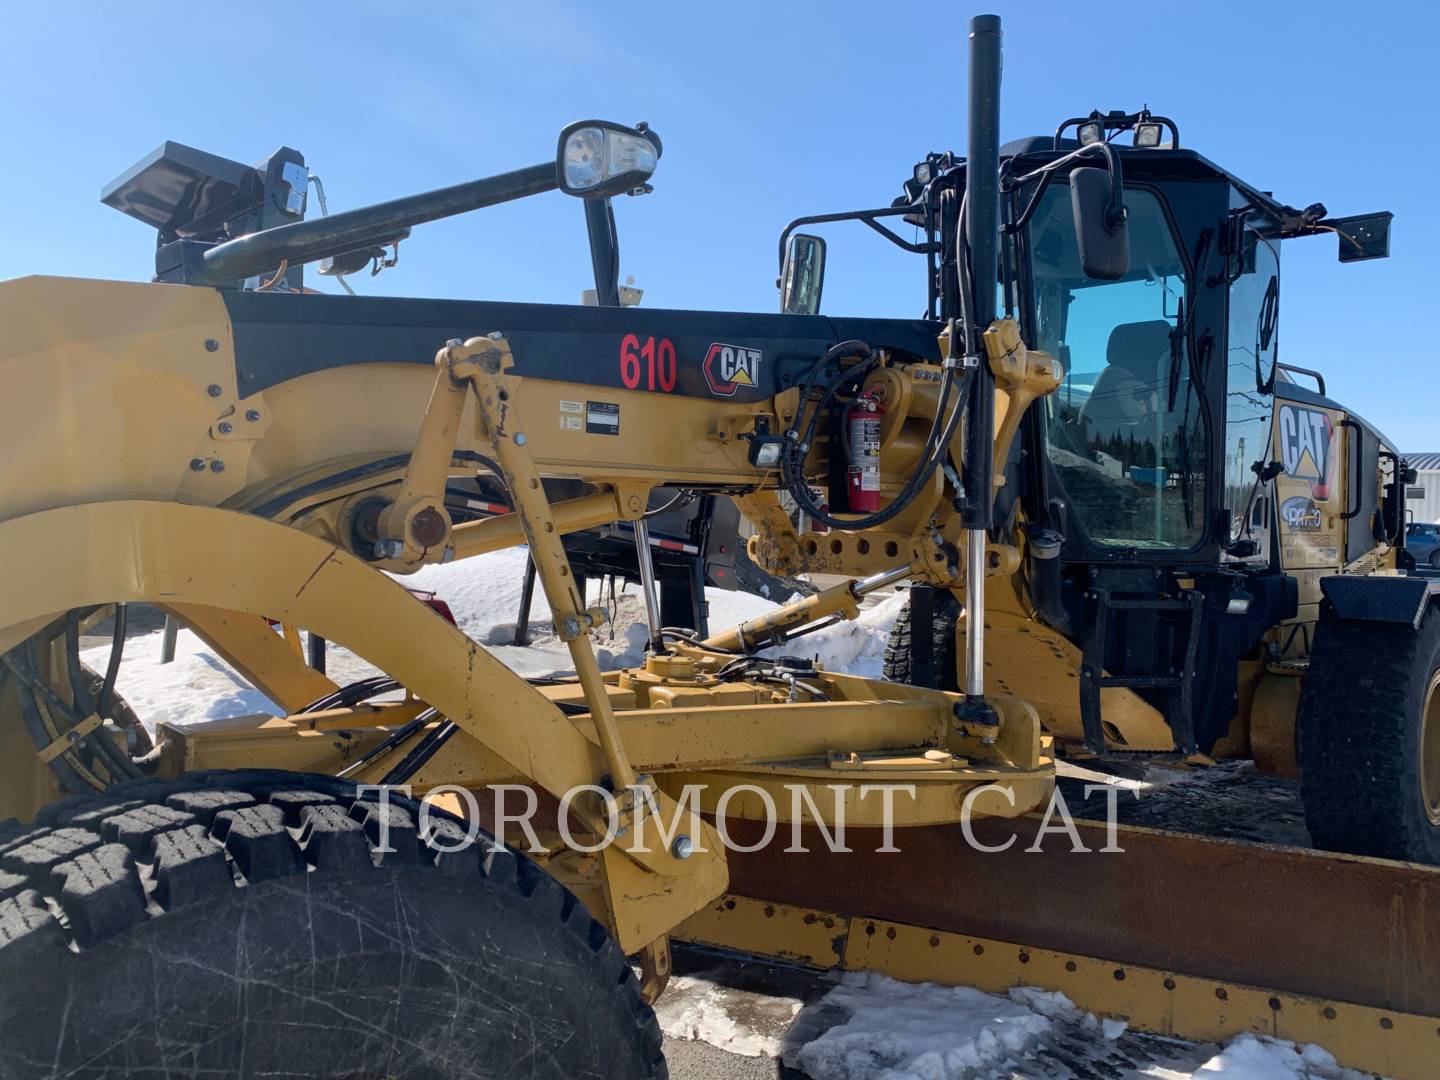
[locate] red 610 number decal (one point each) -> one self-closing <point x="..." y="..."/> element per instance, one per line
<point x="650" y="362"/>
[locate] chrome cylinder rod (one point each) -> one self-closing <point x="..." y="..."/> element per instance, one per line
<point x="646" y="560"/>
<point x="868" y="585"/>
<point x="974" y="613"/>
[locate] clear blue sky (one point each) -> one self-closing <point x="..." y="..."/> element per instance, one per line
<point x="768" y="111"/>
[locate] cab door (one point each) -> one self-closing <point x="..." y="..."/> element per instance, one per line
<point x="1252" y="345"/>
<point x="1364" y="484"/>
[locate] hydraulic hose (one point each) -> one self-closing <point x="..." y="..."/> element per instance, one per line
<point x="422" y="752"/>
<point x="792" y="467"/>
<point x="383" y="749"/>
<point x="117" y="653"/>
<point x="273" y="507"/>
<point x="353" y="694"/>
<point x="118" y="764"/>
<point x="73" y="778"/>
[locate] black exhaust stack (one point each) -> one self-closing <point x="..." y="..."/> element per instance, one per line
<point x="982" y="228"/>
<point x="982" y="236"/>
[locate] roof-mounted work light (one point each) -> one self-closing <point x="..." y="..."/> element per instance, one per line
<point x="1147" y="135"/>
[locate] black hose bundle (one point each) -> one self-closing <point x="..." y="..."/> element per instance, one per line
<point x="797" y="446"/>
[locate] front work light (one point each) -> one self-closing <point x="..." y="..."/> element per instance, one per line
<point x="765" y="451"/>
<point x="597" y="159"/>
<point x="1092" y="132"/>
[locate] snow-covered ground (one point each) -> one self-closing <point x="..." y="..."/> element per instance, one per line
<point x="865" y="1027"/>
<point x="870" y="1027"/>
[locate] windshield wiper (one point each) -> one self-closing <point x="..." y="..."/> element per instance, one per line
<point x="1177" y="354"/>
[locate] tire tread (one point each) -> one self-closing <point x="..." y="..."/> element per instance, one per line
<point x="261" y="823"/>
<point x="1358" y="740"/>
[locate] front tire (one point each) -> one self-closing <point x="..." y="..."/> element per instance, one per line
<point x="1369" y="738"/>
<point x="238" y="924"/>
<point x="945" y="612"/>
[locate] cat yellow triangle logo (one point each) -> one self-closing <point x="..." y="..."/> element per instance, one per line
<point x="742" y="377"/>
<point x="1306" y="469"/>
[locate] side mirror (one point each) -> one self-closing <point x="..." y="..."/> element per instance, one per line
<point x="1366" y="236"/>
<point x="803" y="276"/>
<point x="1102" y="234"/>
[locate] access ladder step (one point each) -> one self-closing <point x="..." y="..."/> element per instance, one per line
<point x="1180" y="710"/>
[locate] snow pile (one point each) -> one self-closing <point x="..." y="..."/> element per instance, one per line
<point x="1250" y="1057"/>
<point x="905" y="1031"/>
<point x="901" y="1031"/>
<point x="197" y="686"/>
<point x="699" y="1009"/>
<point x="484" y="592"/>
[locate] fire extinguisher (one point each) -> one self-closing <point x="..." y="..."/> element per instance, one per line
<point x="862" y="453"/>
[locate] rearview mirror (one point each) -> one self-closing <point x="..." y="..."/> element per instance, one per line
<point x="1102" y="235"/>
<point x="803" y="277"/>
<point x="1365" y="236"/>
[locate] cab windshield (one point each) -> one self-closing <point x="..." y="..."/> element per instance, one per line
<point x="1125" y="429"/>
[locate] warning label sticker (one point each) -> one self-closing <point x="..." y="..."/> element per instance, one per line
<point x="572" y="406"/>
<point x="602" y="418"/>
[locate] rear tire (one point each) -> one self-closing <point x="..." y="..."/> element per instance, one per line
<point x="1435" y="558"/>
<point x="945" y="612"/>
<point x="239" y="924"/>
<point x="1369" y="738"/>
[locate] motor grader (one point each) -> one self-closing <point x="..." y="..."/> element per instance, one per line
<point x="1121" y="545"/>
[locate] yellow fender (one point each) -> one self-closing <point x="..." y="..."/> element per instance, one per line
<point x="169" y="554"/>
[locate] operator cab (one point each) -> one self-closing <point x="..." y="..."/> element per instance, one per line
<point x="1153" y="276"/>
<point x="1160" y="430"/>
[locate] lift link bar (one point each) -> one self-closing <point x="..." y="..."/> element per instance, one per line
<point x="417" y="523"/>
<point x="417" y="520"/>
<point x="481" y="363"/>
<point x="645" y="560"/>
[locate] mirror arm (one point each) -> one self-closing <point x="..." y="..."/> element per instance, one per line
<point x="319" y="238"/>
<point x="897" y="240"/>
<point x="604" y="250"/>
<point x="1030" y="207"/>
<point x="1112" y="162"/>
<point x="848" y="215"/>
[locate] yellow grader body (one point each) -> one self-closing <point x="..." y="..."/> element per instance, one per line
<point x="141" y="525"/>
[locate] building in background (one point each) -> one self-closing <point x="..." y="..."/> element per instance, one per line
<point x="1422" y="498"/>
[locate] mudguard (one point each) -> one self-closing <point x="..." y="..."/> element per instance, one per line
<point x="1376" y="598"/>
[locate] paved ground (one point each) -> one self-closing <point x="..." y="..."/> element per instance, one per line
<point x="1230" y="800"/>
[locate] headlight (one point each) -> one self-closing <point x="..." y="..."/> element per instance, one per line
<point x="598" y="159"/>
